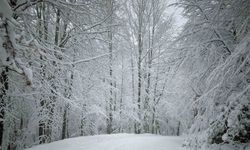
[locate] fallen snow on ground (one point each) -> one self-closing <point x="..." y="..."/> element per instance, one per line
<point x="116" y="142"/>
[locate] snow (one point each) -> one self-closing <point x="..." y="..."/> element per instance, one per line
<point x="116" y="142"/>
<point x="28" y="73"/>
<point x="5" y="9"/>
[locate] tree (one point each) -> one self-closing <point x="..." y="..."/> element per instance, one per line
<point x="210" y="68"/>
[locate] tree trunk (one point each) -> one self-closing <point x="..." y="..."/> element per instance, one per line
<point x="140" y="50"/>
<point x="58" y="14"/>
<point x="178" y="128"/>
<point x="45" y="20"/>
<point x="4" y="88"/>
<point x="39" y="20"/>
<point x="133" y="89"/>
<point x="65" y="121"/>
<point x="121" y="96"/>
<point x="110" y="47"/>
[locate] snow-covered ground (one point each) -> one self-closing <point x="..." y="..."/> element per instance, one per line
<point x="116" y="142"/>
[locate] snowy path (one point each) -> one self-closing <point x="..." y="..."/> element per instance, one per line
<point x="116" y="142"/>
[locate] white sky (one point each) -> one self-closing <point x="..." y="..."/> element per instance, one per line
<point x="177" y="13"/>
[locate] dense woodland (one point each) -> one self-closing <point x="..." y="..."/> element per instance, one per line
<point x="84" y="67"/>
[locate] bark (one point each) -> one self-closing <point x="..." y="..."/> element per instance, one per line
<point x="65" y="121"/>
<point x="58" y="15"/>
<point x="122" y="90"/>
<point x="4" y="88"/>
<point x="110" y="47"/>
<point x="45" y="20"/>
<point x="154" y="126"/>
<point x="140" y="49"/>
<point x="149" y="65"/>
<point x="178" y="128"/>
<point x="133" y="88"/>
<point x="83" y="119"/>
<point x="39" y="20"/>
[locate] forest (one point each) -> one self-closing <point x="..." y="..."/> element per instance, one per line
<point x="71" y="68"/>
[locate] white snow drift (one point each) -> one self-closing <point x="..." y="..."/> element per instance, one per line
<point x="116" y="142"/>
